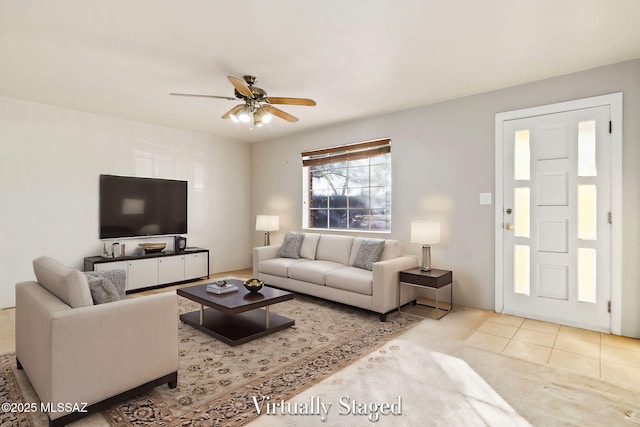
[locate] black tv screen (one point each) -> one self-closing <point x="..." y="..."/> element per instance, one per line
<point x="131" y="206"/>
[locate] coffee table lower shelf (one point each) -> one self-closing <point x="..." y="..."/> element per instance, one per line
<point x="236" y="329"/>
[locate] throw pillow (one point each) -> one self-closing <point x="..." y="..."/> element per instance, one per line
<point x="118" y="278"/>
<point x="369" y="252"/>
<point x="290" y="247"/>
<point x="309" y="245"/>
<point x="102" y="290"/>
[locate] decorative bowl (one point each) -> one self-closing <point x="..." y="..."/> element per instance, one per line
<point x="152" y="247"/>
<point x="253" y="285"/>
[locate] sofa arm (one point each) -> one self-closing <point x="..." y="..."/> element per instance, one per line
<point x="262" y="253"/>
<point x="385" y="283"/>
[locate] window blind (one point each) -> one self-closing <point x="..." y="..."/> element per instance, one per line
<point x="360" y="150"/>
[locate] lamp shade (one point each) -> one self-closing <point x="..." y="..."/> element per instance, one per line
<point x="425" y="232"/>
<point x="267" y="223"/>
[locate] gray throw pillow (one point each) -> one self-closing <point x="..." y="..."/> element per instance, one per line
<point x="369" y="252"/>
<point x="102" y="290"/>
<point x="290" y="247"/>
<point x="118" y="278"/>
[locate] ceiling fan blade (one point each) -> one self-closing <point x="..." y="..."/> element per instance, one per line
<point x="291" y="101"/>
<point x="277" y="112"/>
<point x="232" y="111"/>
<point x="203" y="96"/>
<point x="241" y="86"/>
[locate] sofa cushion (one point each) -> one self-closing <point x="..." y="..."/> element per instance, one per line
<point x="351" y="279"/>
<point x="313" y="271"/>
<point x="68" y="284"/>
<point x="278" y="266"/>
<point x="368" y="253"/>
<point x="290" y="247"/>
<point x="392" y="249"/>
<point x="309" y="245"/>
<point x="334" y="248"/>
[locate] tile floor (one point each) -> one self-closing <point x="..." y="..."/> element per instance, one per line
<point x="608" y="357"/>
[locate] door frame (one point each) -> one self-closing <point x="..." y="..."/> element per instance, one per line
<point x="614" y="101"/>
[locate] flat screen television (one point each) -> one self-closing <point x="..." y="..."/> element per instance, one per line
<point x="132" y="207"/>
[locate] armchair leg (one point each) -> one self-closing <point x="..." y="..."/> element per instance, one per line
<point x="173" y="381"/>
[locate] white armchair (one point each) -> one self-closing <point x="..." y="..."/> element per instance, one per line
<point x="74" y="352"/>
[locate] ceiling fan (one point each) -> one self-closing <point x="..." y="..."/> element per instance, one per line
<point x="256" y="104"/>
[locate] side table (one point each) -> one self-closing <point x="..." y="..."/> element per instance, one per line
<point x="433" y="279"/>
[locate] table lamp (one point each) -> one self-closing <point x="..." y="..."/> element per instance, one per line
<point x="267" y="223"/>
<point x="426" y="233"/>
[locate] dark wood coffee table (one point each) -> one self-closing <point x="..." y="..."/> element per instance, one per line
<point x="236" y="317"/>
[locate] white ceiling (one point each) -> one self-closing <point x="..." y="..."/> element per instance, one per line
<point x="356" y="58"/>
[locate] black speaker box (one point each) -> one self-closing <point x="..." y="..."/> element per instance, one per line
<point x="179" y="244"/>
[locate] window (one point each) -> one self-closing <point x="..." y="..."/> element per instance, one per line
<point x="348" y="187"/>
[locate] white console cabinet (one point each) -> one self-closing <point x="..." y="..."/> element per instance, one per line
<point x="196" y="265"/>
<point x="142" y="273"/>
<point x="158" y="269"/>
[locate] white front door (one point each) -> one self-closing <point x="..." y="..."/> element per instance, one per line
<point x="556" y="211"/>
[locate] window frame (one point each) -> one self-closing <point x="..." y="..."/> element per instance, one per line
<point x="346" y="155"/>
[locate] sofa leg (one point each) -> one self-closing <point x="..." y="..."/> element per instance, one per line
<point x="383" y="317"/>
<point x="18" y="363"/>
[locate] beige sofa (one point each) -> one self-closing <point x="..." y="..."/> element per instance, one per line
<point x="81" y="357"/>
<point x="327" y="270"/>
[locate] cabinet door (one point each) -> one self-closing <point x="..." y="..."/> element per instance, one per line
<point x="196" y="265"/>
<point x="170" y="269"/>
<point x="142" y="273"/>
<point x="120" y="265"/>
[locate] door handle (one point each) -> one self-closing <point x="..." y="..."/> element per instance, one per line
<point x="509" y="226"/>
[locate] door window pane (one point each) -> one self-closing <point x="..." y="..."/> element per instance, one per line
<point x="587" y="148"/>
<point x="521" y="269"/>
<point x="587" y="210"/>
<point x="522" y="212"/>
<point x="587" y="275"/>
<point x="522" y="166"/>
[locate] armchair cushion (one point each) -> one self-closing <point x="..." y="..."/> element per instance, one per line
<point x="68" y="284"/>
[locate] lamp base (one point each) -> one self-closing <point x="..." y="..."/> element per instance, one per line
<point x="267" y="242"/>
<point x="426" y="258"/>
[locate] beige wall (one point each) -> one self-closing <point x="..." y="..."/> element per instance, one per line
<point x="50" y="160"/>
<point x="443" y="157"/>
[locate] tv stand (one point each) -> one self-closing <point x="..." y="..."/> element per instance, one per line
<point x="155" y="269"/>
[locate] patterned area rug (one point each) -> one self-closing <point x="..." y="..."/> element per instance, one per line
<point x="217" y="383"/>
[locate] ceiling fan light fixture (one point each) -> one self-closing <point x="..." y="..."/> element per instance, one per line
<point x="257" y="119"/>
<point x="244" y="115"/>
<point x="261" y="117"/>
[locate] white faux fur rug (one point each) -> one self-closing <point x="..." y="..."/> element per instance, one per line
<point x="433" y="388"/>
